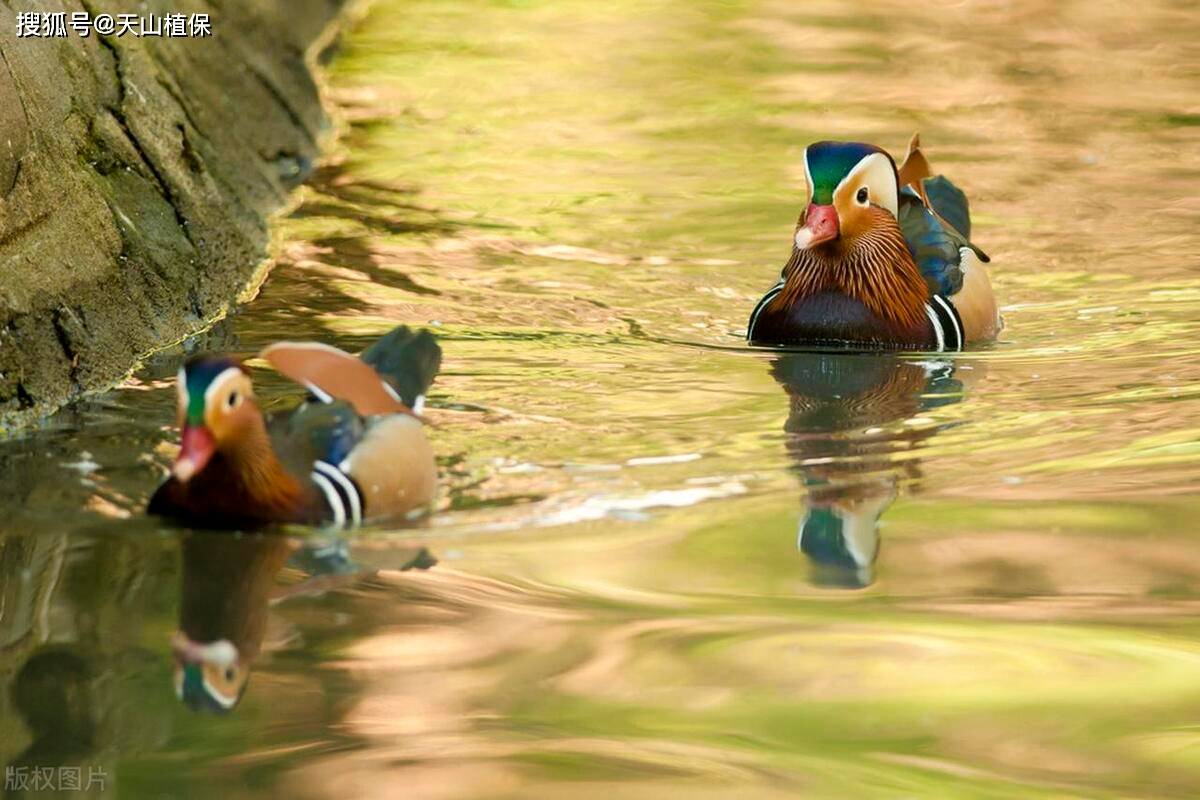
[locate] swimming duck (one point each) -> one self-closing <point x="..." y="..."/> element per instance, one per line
<point x="881" y="259"/>
<point x="356" y="449"/>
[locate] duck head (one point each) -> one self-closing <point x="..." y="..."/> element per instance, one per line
<point x="851" y="189"/>
<point x="216" y="408"/>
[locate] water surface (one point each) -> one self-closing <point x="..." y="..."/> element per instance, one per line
<point x="667" y="563"/>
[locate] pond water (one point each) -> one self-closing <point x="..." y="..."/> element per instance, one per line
<point x="667" y="563"/>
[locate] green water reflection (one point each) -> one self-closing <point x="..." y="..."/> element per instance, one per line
<point x="667" y="563"/>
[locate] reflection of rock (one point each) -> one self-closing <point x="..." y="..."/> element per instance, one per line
<point x="54" y="695"/>
<point x="135" y="179"/>
<point x="72" y="612"/>
<point x="843" y="435"/>
<point x="30" y="570"/>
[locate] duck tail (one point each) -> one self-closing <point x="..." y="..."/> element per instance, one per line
<point x="407" y="359"/>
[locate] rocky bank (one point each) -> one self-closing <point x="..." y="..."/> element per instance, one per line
<point x="137" y="179"/>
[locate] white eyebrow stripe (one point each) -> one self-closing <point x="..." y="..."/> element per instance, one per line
<point x="808" y="177"/>
<point x="223" y="376"/>
<point x="890" y="200"/>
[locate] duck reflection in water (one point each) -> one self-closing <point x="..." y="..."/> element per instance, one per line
<point x="850" y="437"/>
<point x="229" y="586"/>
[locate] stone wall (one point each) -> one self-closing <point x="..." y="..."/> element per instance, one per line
<point x="137" y="177"/>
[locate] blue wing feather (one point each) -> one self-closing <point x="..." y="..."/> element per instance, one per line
<point x="949" y="202"/>
<point x="316" y="432"/>
<point x="936" y="236"/>
<point x="931" y="246"/>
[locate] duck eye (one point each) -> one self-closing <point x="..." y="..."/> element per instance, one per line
<point x="233" y="399"/>
<point x="229" y="674"/>
<point x="862" y="195"/>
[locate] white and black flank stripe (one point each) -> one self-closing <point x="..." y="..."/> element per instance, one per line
<point x="947" y="324"/>
<point x="762" y="304"/>
<point x="342" y="496"/>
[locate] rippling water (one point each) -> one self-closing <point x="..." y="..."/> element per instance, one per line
<point x="666" y="562"/>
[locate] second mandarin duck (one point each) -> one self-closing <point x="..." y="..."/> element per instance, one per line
<point x="355" y="450"/>
<point x="881" y="259"/>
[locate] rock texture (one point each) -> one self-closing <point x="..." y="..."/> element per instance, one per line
<point x="137" y="176"/>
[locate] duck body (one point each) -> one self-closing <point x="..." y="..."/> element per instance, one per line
<point x="354" y="450"/>
<point x="831" y="318"/>
<point x="880" y="260"/>
<point x="216" y="498"/>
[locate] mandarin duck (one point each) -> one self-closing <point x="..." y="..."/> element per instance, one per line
<point x="881" y="259"/>
<point x="354" y="450"/>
